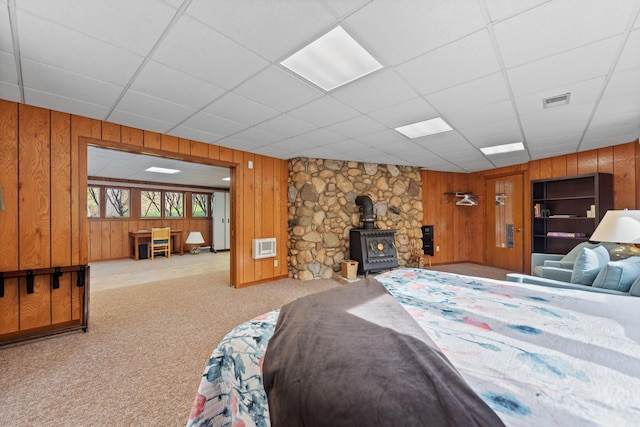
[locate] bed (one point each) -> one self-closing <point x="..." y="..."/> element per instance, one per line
<point x="535" y="356"/>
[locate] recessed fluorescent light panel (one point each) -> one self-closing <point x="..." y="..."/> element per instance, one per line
<point x="227" y="178"/>
<point x="427" y="127"/>
<point x="332" y="60"/>
<point x="504" y="148"/>
<point x="162" y="170"/>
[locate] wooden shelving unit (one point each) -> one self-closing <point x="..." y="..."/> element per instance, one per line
<point x="562" y="205"/>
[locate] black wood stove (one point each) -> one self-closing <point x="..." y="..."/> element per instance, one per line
<point x="374" y="249"/>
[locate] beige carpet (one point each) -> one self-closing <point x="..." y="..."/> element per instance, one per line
<point x="152" y="327"/>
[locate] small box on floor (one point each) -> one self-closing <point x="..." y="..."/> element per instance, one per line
<point x="349" y="269"/>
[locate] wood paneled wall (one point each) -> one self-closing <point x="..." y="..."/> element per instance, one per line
<point x="109" y="238"/>
<point x="44" y="178"/>
<point x="459" y="230"/>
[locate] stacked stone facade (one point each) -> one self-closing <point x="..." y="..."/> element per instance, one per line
<point x="322" y="210"/>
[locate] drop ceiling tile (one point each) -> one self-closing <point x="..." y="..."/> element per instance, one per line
<point x="186" y="132"/>
<point x="623" y="83"/>
<point x="357" y="126"/>
<point x="557" y="121"/>
<point x="320" y="137"/>
<point x="404" y="113"/>
<point x="546" y="147"/>
<point x="324" y="111"/>
<point x="619" y="106"/>
<point x="290" y="145"/>
<point x="499" y="111"/>
<point x="6" y="40"/>
<point x="345" y="145"/>
<point x="8" y="72"/>
<point x="45" y="78"/>
<point x="411" y="28"/>
<point x="144" y="105"/>
<point x="629" y="57"/>
<point x="375" y="91"/>
<point x="387" y="138"/>
<point x="63" y="104"/>
<point x="476" y="166"/>
<point x="275" y="152"/>
<point x="604" y="137"/>
<point x="9" y="91"/>
<point x="484" y="91"/>
<point x="286" y="126"/>
<point x="212" y="124"/>
<point x="556" y="27"/>
<point x="139" y="122"/>
<point x="464" y="60"/>
<point x="184" y="89"/>
<point x="446" y="140"/>
<point x="345" y="7"/>
<point x="131" y="25"/>
<point x="273" y="38"/>
<point x="240" y="109"/>
<point x="493" y="133"/>
<point x="581" y="92"/>
<point x="585" y="63"/>
<point x="238" y="144"/>
<point x="500" y="9"/>
<point x="519" y="158"/>
<point x="278" y="89"/>
<point x="257" y="137"/>
<point x="60" y="47"/>
<point x="196" y="49"/>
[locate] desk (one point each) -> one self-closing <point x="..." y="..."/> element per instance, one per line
<point x="135" y="236"/>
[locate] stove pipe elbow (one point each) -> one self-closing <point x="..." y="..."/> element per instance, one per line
<point x="366" y="217"/>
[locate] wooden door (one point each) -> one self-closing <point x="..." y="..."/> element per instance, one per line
<point x="505" y="222"/>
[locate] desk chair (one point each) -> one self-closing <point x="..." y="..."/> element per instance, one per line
<point x="160" y="242"/>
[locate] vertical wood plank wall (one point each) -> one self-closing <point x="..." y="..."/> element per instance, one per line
<point x="459" y="230"/>
<point x="44" y="177"/>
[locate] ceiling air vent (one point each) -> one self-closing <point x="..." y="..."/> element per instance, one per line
<point x="556" y="101"/>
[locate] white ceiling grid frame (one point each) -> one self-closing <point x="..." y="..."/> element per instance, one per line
<point x="458" y="62"/>
<point x="278" y="89"/>
<point x="286" y="125"/>
<point x="184" y="88"/>
<point x="543" y="31"/>
<point x="240" y="109"/>
<point x="410" y="28"/>
<point x="196" y="49"/>
<point x="270" y="29"/>
<point x="66" y="49"/>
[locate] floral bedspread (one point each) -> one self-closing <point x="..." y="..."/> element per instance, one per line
<point x="536" y="355"/>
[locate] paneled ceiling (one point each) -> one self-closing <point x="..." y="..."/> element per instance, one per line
<point x="210" y="71"/>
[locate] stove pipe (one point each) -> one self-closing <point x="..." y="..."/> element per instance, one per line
<point x="366" y="217"/>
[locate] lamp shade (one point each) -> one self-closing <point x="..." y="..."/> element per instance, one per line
<point x="195" y="238"/>
<point x="618" y="227"/>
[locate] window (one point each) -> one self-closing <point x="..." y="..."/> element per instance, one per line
<point x="199" y="205"/>
<point x="93" y="202"/>
<point x="150" y="204"/>
<point x="117" y="202"/>
<point x="173" y="202"/>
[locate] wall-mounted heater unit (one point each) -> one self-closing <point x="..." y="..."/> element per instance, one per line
<point x="264" y="248"/>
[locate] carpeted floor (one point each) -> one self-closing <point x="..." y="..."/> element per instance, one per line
<point x="152" y="327"/>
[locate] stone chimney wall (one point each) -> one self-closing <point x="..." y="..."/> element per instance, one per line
<point x="322" y="210"/>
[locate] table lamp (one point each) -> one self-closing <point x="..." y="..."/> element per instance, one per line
<point x="622" y="227"/>
<point x="195" y="238"/>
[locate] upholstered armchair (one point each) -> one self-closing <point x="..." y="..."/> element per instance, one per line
<point x="560" y="267"/>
